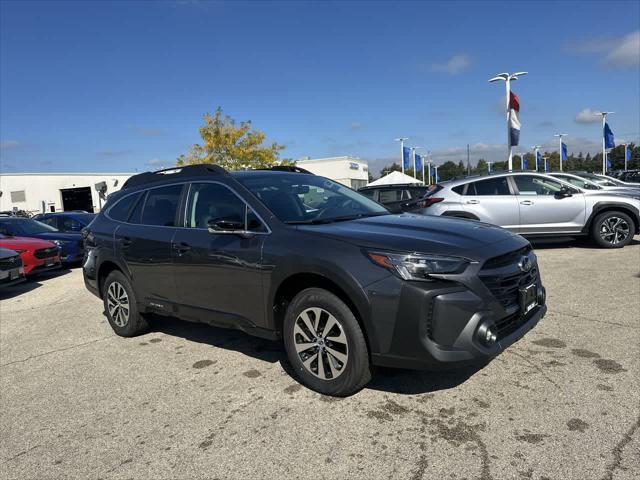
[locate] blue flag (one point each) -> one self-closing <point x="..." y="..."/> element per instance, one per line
<point x="437" y="176"/>
<point x="538" y="158"/>
<point x="406" y="154"/>
<point x="629" y="154"/>
<point x="418" y="163"/>
<point x="546" y="166"/>
<point x="524" y="163"/>
<point x="608" y="162"/>
<point x="609" y="141"/>
<point x="563" y="152"/>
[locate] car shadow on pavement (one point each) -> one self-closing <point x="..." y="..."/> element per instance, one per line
<point x="549" y="243"/>
<point x="31" y="283"/>
<point x="408" y="382"/>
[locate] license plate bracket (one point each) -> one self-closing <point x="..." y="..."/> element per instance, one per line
<point x="528" y="298"/>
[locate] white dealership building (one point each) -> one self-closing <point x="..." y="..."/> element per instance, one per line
<point x="350" y="171"/>
<point x="57" y="192"/>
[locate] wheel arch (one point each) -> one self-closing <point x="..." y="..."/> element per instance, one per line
<point x="459" y="214"/>
<point x="603" y="207"/>
<point x="104" y="270"/>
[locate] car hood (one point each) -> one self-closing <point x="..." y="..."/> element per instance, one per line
<point x="423" y="233"/>
<point x="67" y="237"/>
<point x="24" y="243"/>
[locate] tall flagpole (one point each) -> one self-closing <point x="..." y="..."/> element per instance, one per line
<point x="401" y="140"/>
<point x="413" y="155"/>
<point x="489" y="167"/>
<point x="560" y="135"/>
<point x="536" y="149"/>
<point x="625" y="155"/>
<point x="507" y="78"/>
<point x="604" y="148"/>
<point x="429" y="171"/>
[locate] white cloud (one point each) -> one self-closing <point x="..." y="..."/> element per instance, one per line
<point x="627" y="52"/>
<point x="158" y="163"/>
<point x="619" y="51"/>
<point x="355" y="126"/>
<point x="455" y="65"/>
<point x="9" y="144"/>
<point x="588" y="115"/>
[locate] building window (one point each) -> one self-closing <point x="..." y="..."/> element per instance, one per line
<point x="18" y="196"/>
<point x="357" y="184"/>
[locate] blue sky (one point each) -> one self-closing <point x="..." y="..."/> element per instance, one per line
<point x="122" y="85"/>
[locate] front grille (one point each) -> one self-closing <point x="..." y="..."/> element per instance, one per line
<point x="11" y="262"/>
<point x="46" y="252"/>
<point x="506" y="288"/>
<point x="509" y="324"/>
<point x="507" y="258"/>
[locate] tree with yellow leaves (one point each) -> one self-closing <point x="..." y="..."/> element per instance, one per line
<point x="231" y="146"/>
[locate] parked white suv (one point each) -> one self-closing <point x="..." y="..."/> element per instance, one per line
<point x="534" y="204"/>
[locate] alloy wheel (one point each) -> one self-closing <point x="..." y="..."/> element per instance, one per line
<point x="614" y="230"/>
<point x="321" y="343"/>
<point x="118" y="304"/>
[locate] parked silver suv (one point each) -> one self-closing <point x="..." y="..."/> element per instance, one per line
<point x="535" y="204"/>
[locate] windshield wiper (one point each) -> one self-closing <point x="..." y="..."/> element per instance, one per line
<point x="318" y="221"/>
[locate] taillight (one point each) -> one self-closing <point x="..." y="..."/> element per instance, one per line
<point x="427" y="202"/>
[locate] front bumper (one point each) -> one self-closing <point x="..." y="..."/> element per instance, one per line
<point x="11" y="277"/>
<point x="439" y="325"/>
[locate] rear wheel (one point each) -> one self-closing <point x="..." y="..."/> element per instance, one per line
<point x="120" y="306"/>
<point x="612" y="229"/>
<point x="325" y="344"/>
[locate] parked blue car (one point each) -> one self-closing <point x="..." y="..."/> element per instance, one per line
<point x="67" y="222"/>
<point x="70" y="243"/>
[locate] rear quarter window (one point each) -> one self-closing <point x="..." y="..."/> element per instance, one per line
<point x="121" y="209"/>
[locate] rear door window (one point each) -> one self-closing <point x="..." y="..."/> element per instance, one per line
<point x="389" y="195"/>
<point x="161" y="206"/>
<point x="531" y="185"/>
<point x="490" y="186"/>
<point x="120" y="211"/>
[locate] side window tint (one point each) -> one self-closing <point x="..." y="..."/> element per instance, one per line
<point x="212" y="202"/>
<point x="136" y="213"/>
<point x="368" y="193"/>
<point x="51" y="221"/>
<point x="120" y="211"/>
<point x="253" y="222"/>
<point x="492" y="186"/>
<point x="70" y="225"/>
<point x="388" y="196"/>
<point x="161" y="206"/>
<point x="459" y="189"/>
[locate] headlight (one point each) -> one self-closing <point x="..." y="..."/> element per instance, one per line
<point x="416" y="266"/>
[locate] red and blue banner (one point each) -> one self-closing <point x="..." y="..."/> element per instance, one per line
<point x="514" y="121"/>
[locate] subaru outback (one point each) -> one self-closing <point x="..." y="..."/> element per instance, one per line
<point x="295" y="257"/>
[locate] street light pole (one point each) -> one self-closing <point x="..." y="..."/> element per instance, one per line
<point x="604" y="148"/>
<point x="413" y="157"/>
<point x="560" y="135"/>
<point x="489" y="167"/>
<point x="535" y="149"/>
<point x="507" y="79"/>
<point x="401" y="140"/>
<point x="545" y="163"/>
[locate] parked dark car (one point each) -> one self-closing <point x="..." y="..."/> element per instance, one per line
<point x="70" y="244"/>
<point x="398" y="198"/>
<point x="11" y="269"/>
<point x="66" y="221"/>
<point x="345" y="284"/>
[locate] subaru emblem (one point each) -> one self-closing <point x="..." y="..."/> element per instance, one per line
<point x="525" y="264"/>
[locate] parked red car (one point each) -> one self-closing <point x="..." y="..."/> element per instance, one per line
<point x="37" y="255"/>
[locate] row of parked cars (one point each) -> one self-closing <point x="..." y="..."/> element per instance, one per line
<point x="30" y="246"/>
<point x="532" y="204"/>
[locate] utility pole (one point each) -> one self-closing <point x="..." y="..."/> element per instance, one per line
<point x="604" y="148"/>
<point x="401" y="140"/>
<point x="507" y="79"/>
<point x="560" y="135"/>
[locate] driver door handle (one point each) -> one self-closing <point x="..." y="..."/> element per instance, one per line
<point x="526" y="202"/>
<point x="473" y="202"/>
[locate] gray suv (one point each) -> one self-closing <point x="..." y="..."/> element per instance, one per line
<point x="536" y="204"/>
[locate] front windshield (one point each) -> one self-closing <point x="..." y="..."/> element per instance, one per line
<point x="300" y="198"/>
<point x="26" y="227"/>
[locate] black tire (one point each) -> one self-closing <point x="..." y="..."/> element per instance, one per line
<point x="134" y="324"/>
<point x="601" y="226"/>
<point x="355" y="372"/>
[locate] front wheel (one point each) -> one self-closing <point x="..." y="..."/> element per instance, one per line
<point x="325" y="344"/>
<point x="612" y="229"/>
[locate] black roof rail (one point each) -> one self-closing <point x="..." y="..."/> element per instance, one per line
<point x="201" y="169"/>
<point x="288" y="168"/>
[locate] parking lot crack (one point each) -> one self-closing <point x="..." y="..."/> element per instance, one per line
<point x="619" y="448"/>
<point x="55" y="351"/>
<point x="539" y="369"/>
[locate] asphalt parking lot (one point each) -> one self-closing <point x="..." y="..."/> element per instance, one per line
<point x="191" y="401"/>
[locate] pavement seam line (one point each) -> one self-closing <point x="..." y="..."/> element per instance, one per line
<point x="618" y="449"/>
<point x="55" y="351"/>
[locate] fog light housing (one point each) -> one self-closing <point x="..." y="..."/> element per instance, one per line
<point x="487" y="334"/>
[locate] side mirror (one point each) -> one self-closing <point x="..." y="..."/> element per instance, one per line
<point x="229" y="227"/>
<point x="564" y="192"/>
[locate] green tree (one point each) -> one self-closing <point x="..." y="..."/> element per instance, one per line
<point x="232" y="146"/>
<point x="394" y="167"/>
<point x="481" y="166"/>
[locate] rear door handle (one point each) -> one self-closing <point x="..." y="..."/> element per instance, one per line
<point x="473" y="202"/>
<point x="526" y="202"/>
<point x="181" y="247"/>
